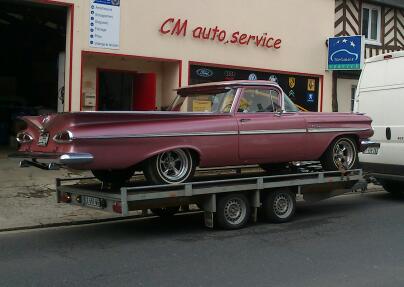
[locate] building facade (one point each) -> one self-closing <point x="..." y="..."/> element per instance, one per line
<point x="382" y="24"/>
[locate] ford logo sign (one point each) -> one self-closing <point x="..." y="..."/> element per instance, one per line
<point x="206" y="73"/>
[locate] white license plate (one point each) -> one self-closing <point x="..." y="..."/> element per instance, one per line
<point x="93" y="202"/>
<point x="371" y="150"/>
<point x="43" y="139"/>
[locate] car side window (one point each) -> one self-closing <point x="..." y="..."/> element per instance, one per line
<point x="255" y="100"/>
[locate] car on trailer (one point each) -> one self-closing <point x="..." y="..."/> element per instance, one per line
<point x="209" y="125"/>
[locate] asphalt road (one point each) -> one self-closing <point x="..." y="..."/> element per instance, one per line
<point x="354" y="240"/>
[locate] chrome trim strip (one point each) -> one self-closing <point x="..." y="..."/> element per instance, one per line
<point x="332" y="130"/>
<point x="221" y="133"/>
<point x="263" y="132"/>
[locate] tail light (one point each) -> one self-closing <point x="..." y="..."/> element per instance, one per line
<point x="23" y="137"/>
<point x="117" y="207"/>
<point x="63" y="137"/>
<point x="66" y="197"/>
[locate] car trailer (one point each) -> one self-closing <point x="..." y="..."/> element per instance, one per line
<point x="229" y="203"/>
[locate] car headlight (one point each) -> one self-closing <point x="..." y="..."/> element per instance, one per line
<point x="24" y="137"/>
<point x="63" y="137"/>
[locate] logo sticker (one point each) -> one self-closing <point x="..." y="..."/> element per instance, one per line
<point x="291" y="94"/>
<point x="203" y="72"/>
<point x="311" y="85"/>
<point x="273" y="78"/>
<point x="310" y="97"/>
<point x="252" y="77"/>
<point x="292" y="82"/>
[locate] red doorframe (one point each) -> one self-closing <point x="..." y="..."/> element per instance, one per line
<point x="71" y="7"/>
<point x="321" y="77"/>
<point x="85" y="52"/>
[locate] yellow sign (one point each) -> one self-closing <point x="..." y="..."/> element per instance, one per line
<point x="201" y="106"/>
<point x="292" y="82"/>
<point x="311" y="85"/>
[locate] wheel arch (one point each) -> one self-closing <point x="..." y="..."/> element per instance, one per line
<point x="352" y="136"/>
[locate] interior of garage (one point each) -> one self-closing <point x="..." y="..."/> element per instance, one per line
<point x="32" y="56"/>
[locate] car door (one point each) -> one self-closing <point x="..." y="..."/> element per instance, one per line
<point x="266" y="134"/>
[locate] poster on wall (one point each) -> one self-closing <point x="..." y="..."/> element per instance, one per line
<point x="302" y="90"/>
<point x="105" y="18"/>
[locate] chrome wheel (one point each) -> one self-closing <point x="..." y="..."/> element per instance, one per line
<point x="282" y="205"/>
<point x="174" y="166"/>
<point x="344" y="154"/>
<point x="235" y="211"/>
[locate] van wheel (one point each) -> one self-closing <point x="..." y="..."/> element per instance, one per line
<point x="233" y="211"/>
<point x="279" y="206"/>
<point x="169" y="167"/>
<point x="394" y="187"/>
<point x="342" y="154"/>
<point x="116" y="176"/>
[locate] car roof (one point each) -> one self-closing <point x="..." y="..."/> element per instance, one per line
<point x="229" y="84"/>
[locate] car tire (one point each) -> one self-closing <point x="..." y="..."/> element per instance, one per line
<point x="165" y="211"/>
<point x="232" y="211"/>
<point x="396" y="188"/>
<point x="114" y="177"/>
<point x="342" y="154"/>
<point x="170" y="167"/>
<point x="279" y="206"/>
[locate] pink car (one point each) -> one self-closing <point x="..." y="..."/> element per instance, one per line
<point x="208" y="125"/>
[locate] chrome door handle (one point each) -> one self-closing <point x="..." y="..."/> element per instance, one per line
<point x="245" y="120"/>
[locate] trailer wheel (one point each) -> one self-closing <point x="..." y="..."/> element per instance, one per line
<point x="165" y="211"/>
<point x="233" y="211"/>
<point x="279" y="206"/>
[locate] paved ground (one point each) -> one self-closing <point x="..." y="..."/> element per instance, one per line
<point x="351" y="240"/>
<point x="28" y="198"/>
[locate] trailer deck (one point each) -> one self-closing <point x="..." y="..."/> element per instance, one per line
<point x="243" y="194"/>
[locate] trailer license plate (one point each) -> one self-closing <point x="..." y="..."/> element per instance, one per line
<point x="43" y="139"/>
<point x="93" y="202"/>
<point x="371" y="150"/>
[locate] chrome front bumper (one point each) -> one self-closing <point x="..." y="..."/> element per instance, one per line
<point x="51" y="160"/>
<point x="368" y="143"/>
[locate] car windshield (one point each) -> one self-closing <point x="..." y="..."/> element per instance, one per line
<point x="206" y="101"/>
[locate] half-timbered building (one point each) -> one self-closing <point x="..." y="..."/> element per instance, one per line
<point x="382" y="24"/>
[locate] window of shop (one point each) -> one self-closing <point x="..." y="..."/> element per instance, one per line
<point x="302" y="90"/>
<point x="371" y="23"/>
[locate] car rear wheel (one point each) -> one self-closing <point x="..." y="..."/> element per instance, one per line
<point x="169" y="167"/>
<point x="342" y="154"/>
<point x="115" y="177"/>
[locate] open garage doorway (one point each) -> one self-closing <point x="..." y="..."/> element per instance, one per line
<point x="32" y="57"/>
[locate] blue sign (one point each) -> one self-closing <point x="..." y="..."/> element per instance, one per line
<point x="346" y="53"/>
<point x="310" y="97"/>
<point x="108" y="2"/>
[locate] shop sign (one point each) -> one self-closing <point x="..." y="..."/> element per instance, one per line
<point x="346" y="53"/>
<point x="104" y="24"/>
<point x="180" y="28"/>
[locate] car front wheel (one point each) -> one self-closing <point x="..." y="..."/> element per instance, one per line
<point x="342" y="154"/>
<point x="169" y="167"/>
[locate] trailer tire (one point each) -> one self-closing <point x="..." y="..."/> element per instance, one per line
<point x="279" y="206"/>
<point x="233" y="211"/>
<point x="165" y="211"/>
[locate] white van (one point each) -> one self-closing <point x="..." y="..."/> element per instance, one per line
<point x="380" y="95"/>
